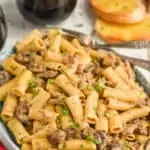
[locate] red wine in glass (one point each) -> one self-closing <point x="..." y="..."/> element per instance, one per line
<point x="47" y="10"/>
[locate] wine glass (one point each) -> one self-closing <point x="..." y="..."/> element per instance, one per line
<point x="46" y="11"/>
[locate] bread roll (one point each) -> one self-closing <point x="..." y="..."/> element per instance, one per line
<point x="113" y="33"/>
<point x="119" y="11"/>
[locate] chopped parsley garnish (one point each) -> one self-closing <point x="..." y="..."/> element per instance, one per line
<point x="125" y="145"/>
<point x="65" y="112"/>
<point x="63" y="146"/>
<point x="33" y="84"/>
<point x="95" y="60"/>
<point x="90" y="138"/>
<point x="75" y="125"/>
<point x="99" y="87"/>
<point x="50" y="81"/>
<point x="106" y="114"/>
<point x="88" y="87"/>
<point x="81" y="146"/>
<point x="35" y="92"/>
<point x="33" y="87"/>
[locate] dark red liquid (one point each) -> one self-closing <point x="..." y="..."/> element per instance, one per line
<point x="48" y="9"/>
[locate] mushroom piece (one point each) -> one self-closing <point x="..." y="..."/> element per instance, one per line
<point x="88" y="131"/>
<point x="57" y="137"/>
<point x="22" y="113"/>
<point x="40" y="82"/>
<point x="57" y="98"/>
<point x="72" y="133"/>
<point x="4" y="77"/>
<point x="80" y="68"/>
<point x="90" y="68"/>
<point x="25" y="57"/>
<point x="102" y="138"/>
<point x="48" y="74"/>
<point x="36" y="66"/>
<point x="56" y="101"/>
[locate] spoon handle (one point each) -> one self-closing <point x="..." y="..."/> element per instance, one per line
<point x="138" y="62"/>
<point x="129" y="44"/>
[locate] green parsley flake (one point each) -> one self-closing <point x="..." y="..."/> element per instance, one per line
<point x="90" y="138"/>
<point x="35" y="92"/>
<point x="88" y="87"/>
<point x="33" y="84"/>
<point x="81" y="146"/>
<point x="99" y="87"/>
<point x="106" y="114"/>
<point x="75" y="125"/>
<point x="63" y="146"/>
<point x="126" y="145"/>
<point x="65" y="112"/>
<point x="95" y="60"/>
<point x="50" y="81"/>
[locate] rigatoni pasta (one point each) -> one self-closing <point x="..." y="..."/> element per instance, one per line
<point x="40" y="143"/>
<point x="134" y="114"/>
<point x="36" y="43"/>
<point x="122" y="95"/>
<point x="78" y="144"/>
<point x="22" y="83"/>
<point x="26" y="146"/>
<point x="113" y="103"/>
<point x="113" y="76"/>
<point x="9" y="107"/>
<point x="12" y="66"/>
<point x="74" y="104"/>
<point x="6" y="88"/>
<point x="28" y="39"/>
<point x="115" y="122"/>
<point x="17" y="128"/>
<point x="37" y="103"/>
<point x="63" y="82"/>
<point x="90" y="108"/>
<point x="102" y="124"/>
<point x="60" y="94"/>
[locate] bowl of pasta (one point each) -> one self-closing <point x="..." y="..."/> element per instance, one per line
<point x="58" y="94"/>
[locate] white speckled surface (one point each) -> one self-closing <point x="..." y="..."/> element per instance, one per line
<point x="18" y="27"/>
